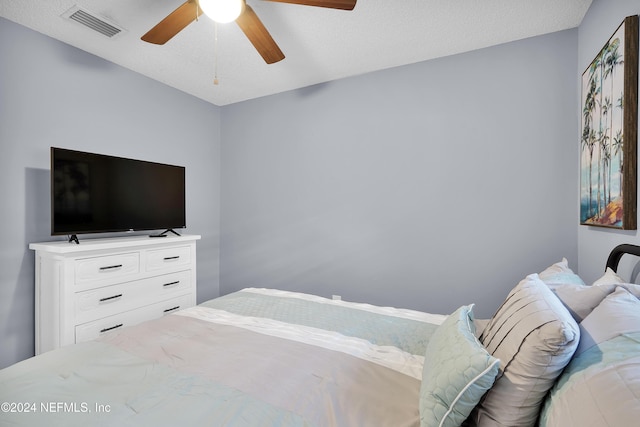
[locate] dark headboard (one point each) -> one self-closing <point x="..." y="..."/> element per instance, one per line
<point x="618" y="251"/>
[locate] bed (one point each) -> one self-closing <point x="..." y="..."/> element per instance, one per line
<point x="557" y="352"/>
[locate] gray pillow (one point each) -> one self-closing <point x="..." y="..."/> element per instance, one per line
<point x="534" y="336"/>
<point x="580" y="300"/>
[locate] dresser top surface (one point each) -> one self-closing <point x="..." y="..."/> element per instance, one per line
<point x="64" y="247"/>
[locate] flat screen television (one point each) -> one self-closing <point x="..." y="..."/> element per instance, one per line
<point x="96" y="193"/>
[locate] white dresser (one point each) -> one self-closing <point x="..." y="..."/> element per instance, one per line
<point x="101" y="285"/>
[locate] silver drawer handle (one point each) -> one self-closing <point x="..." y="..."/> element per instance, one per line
<point x="172" y="309"/>
<point x="172" y="283"/>
<point x="170" y="258"/>
<point x="110" y="298"/>
<point x="110" y="267"/>
<point x="111" y="328"/>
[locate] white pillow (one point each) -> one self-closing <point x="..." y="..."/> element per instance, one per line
<point x="558" y="267"/>
<point x="610" y="277"/>
<point x="560" y="273"/>
<point x="617" y="314"/>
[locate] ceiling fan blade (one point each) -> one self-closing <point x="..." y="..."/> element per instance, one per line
<point x="333" y="4"/>
<point x="175" y="22"/>
<point x="258" y="35"/>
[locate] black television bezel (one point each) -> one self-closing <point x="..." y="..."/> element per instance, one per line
<point x="168" y="227"/>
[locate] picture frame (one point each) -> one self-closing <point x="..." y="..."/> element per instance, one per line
<point x="609" y="128"/>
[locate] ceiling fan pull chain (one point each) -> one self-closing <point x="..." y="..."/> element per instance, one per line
<point x="215" y="47"/>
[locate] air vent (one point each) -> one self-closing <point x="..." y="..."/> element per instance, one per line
<point x="92" y="21"/>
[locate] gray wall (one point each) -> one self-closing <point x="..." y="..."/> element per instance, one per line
<point x="425" y="186"/>
<point x="598" y="25"/>
<point x="54" y="95"/>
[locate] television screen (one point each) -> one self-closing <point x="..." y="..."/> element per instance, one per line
<point x="94" y="193"/>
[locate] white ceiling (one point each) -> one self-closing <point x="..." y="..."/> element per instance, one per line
<point x="320" y="44"/>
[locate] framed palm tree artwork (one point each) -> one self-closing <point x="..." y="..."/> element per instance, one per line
<point x="608" y="146"/>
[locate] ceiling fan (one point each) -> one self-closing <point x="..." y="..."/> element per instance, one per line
<point x="243" y="15"/>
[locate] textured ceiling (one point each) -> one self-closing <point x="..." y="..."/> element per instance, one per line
<point x="320" y="45"/>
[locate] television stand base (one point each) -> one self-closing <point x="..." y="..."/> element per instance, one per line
<point x="74" y="238"/>
<point x="164" y="233"/>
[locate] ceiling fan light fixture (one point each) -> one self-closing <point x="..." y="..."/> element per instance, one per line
<point x="222" y="11"/>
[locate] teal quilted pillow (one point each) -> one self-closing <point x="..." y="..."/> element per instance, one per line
<point x="457" y="372"/>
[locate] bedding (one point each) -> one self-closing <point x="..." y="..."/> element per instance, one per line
<point x="603" y="378"/>
<point x="600" y="387"/>
<point x="601" y="384"/>
<point x="253" y="358"/>
<point x="556" y="353"/>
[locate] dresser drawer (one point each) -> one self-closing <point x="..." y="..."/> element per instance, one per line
<point x="169" y="258"/>
<point x="95" y="329"/>
<point x="107" y="268"/>
<point x="109" y="300"/>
